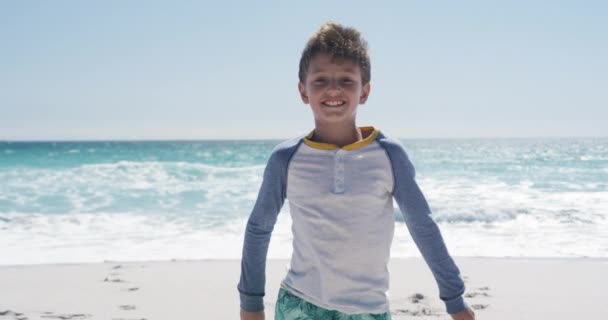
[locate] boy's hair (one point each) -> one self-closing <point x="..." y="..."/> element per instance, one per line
<point x="339" y="42"/>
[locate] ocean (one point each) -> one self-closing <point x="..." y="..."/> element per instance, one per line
<point x="73" y="202"/>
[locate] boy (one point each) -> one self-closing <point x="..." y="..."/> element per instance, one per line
<point x="340" y="181"/>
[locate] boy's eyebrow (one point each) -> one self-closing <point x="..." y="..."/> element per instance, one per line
<point x="317" y="70"/>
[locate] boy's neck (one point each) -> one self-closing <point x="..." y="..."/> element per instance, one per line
<point x="336" y="134"/>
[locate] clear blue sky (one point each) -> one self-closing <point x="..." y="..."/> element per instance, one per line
<point x="193" y="70"/>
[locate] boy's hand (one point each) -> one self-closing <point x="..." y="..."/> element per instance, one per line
<point x="467" y="314"/>
<point x="246" y="315"/>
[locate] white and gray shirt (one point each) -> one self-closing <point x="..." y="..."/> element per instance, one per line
<point x="341" y="205"/>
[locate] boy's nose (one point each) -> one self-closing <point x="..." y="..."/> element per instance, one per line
<point x="334" y="86"/>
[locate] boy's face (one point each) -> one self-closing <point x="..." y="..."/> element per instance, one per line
<point x="333" y="89"/>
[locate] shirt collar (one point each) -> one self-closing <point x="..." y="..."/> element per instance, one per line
<point x="373" y="133"/>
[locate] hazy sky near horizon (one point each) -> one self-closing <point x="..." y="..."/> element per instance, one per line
<point x="79" y="70"/>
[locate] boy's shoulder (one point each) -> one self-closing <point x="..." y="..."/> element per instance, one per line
<point x="289" y="144"/>
<point x="282" y="153"/>
<point x="400" y="161"/>
<point x="390" y="144"/>
<point x="384" y="138"/>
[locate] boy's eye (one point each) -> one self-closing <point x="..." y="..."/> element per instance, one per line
<point x="321" y="82"/>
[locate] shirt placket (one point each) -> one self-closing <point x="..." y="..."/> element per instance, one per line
<point x="339" y="171"/>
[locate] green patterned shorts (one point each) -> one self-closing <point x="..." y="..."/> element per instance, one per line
<point x="291" y="307"/>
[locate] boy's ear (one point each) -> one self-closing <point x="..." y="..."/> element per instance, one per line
<point x="302" y="90"/>
<point x="365" y="93"/>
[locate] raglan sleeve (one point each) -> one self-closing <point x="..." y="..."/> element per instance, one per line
<point x="424" y="230"/>
<point x="259" y="228"/>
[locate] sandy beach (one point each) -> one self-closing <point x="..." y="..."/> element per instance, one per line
<point x="497" y="288"/>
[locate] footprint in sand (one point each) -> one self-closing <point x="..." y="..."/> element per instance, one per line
<point x="116" y="280"/>
<point x="483" y="291"/>
<point x="419" y="308"/>
<point x="479" y="306"/>
<point x="476" y="294"/>
<point x="479" y="292"/>
<point x="66" y="316"/>
<point x="423" y="311"/>
<point x="127" y="307"/>
<point x="8" y="314"/>
<point x="416" y="297"/>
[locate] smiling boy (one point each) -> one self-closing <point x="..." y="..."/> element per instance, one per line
<point x="340" y="181"/>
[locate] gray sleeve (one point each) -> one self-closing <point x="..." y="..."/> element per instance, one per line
<point x="259" y="228"/>
<point x="424" y="230"/>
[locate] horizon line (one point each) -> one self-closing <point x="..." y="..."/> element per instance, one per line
<point x="283" y="139"/>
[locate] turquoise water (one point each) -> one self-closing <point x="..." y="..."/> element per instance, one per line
<point x="90" y="201"/>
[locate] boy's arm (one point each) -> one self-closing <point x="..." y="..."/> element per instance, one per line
<point x="257" y="234"/>
<point x="424" y="230"/>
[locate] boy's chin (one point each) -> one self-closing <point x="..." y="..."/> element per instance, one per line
<point x="335" y="120"/>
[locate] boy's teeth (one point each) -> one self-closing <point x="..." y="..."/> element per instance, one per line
<point x="334" y="103"/>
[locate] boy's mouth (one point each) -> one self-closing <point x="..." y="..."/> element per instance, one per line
<point x="333" y="103"/>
